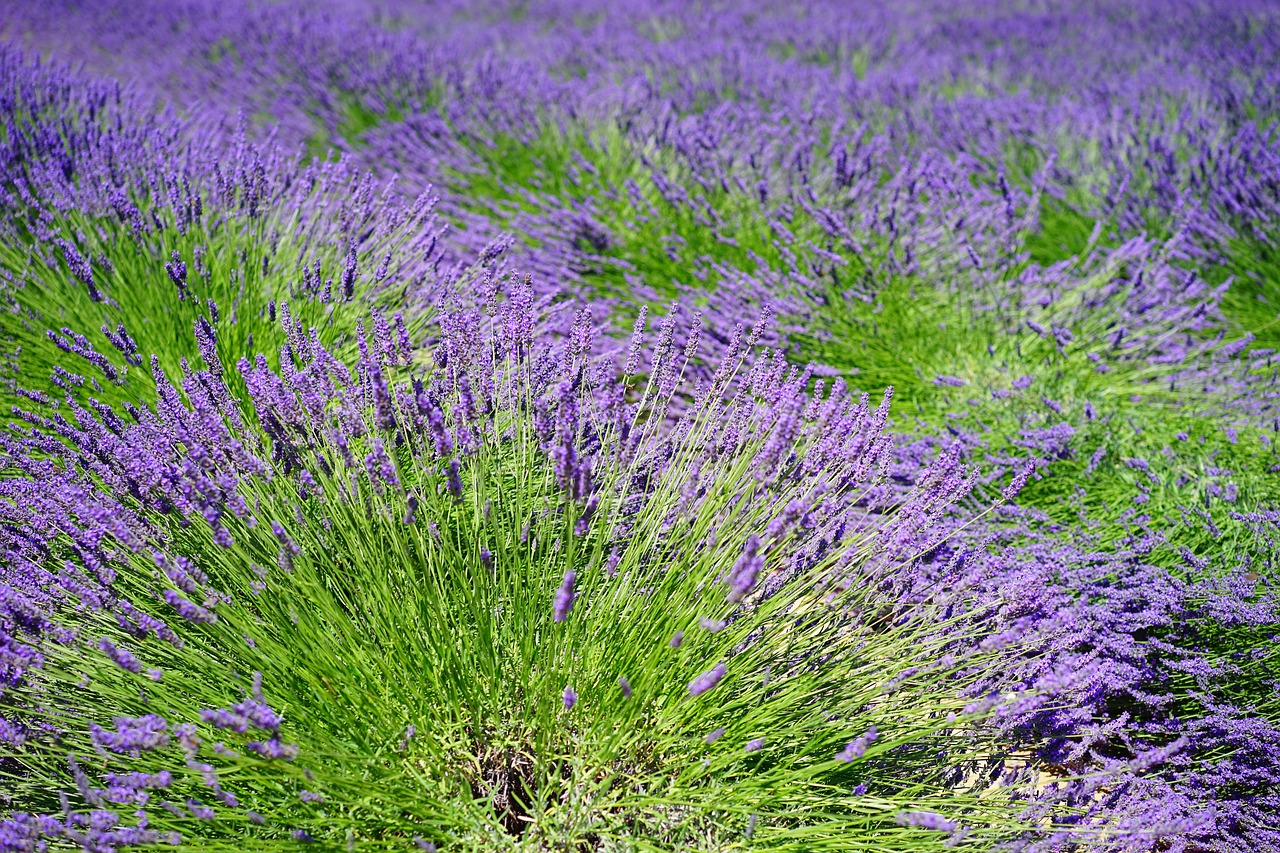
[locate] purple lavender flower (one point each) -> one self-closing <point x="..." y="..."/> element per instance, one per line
<point x="121" y="657"/>
<point x="931" y="821"/>
<point x="206" y="340"/>
<point x="564" y="597"/>
<point x="1016" y="484"/>
<point x="133" y="734"/>
<point x="274" y="748"/>
<point x="199" y="811"/>
<point x="187" y="610"/>
<point x="177" y="270"/>
<point x="121" y="340"/>
<point x="12" y="734"/>
<point x="384" y="411"/>
<point x="637" y="339"/>
<point x="857" y="747"/>
<point x="380" y="467"/>
<point x="80" y="268"/>
<point x="349" y="274"/>
<point x="742" y="578"/>
<point x="454" y="480"/>
<point x="707" y="681"/>
<point x="403" y="340"/>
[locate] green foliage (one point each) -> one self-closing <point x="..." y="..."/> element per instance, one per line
<point x="223" y="48"/>
<point x="1063" y="233"/>
<point x="630" y="231"/>
<point x="354" y="117"/>
<point x="1252" y="303"/>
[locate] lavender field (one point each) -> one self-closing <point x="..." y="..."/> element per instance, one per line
<point x="487" y="425"/>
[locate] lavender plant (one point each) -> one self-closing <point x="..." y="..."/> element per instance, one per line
<point x="496" y="604"/>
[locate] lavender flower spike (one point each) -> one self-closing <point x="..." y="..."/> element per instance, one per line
<point x="743" y="577"/>
<point x="857" y="747"/>
<point x="565" y="596"/>
<point x="707" y="680"/>
<point x="931" y="821"/>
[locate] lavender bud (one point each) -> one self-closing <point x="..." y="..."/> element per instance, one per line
<point x="177" y="270"/>
<point x="564" y="596"/>
<point x="707" y="681"/>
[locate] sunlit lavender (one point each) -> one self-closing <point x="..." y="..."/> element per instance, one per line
<point x="796" y="426"/>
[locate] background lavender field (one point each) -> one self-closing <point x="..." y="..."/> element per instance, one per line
<point x="653" y="426"/>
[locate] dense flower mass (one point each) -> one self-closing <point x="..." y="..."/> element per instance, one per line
<point x="794" y="426"/>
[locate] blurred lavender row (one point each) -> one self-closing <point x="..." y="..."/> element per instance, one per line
<point x="920" y="138"/>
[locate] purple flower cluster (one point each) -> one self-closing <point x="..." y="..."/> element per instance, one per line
<point x="707" y="681"/>
<point x="132" y="735"/>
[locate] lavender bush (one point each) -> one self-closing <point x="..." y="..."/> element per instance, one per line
<point x="494" y="601"/>
<point x="460" y="427"/>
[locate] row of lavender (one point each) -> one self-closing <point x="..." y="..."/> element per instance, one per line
<point x="844" y="132"/>
<point x="722" y="163"/>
